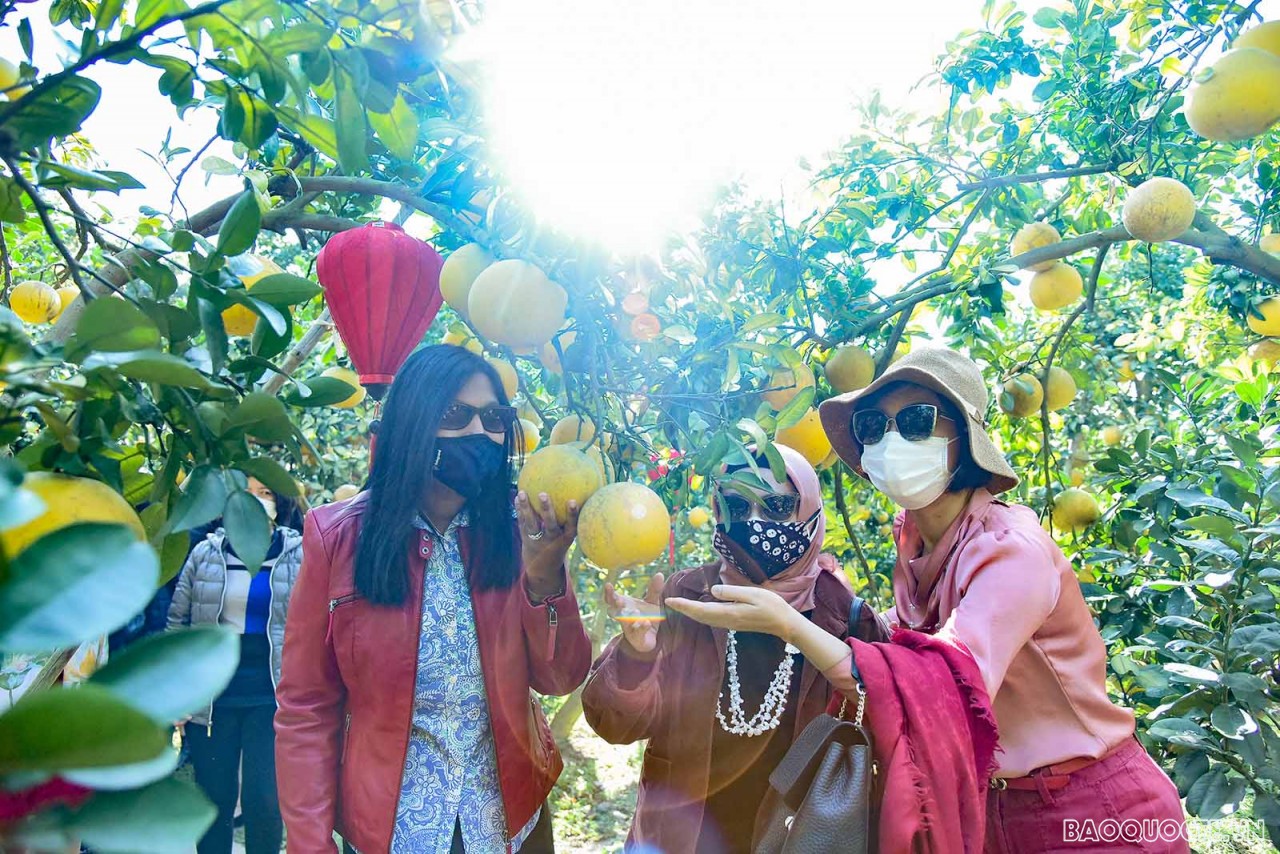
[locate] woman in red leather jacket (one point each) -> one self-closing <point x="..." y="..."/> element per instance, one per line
<point x="426" y="610"/>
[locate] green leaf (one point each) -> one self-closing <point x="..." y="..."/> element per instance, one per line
<point x="275" y="320"/>
<point x="285" y="289"/>
<point x="73" y="585"/>
<point x="796" y="408"/>
<point x="1178" y="731"/>
<point x="248" y="528"/>
<point x="316" y="130"/>
<point x="1048" y="18"/>
<point x="81" y="727"/>
<point x="113" y="326"/>
<point x="257" y="121"/>
<point x="755" y="431"/>
<point x="1191" y="673"/>
<point x="55" y="111"/>
<point x="397" y="129"/>
<point x="62" y="175"/>
<point x="152" y="367"/>
<point x="1232" y="721"/>
<point x="762" y="321"/>
<point x="349" y="119"/>
<point x="1215" y="794"/>
<point x="172" y="675"/>
<point x="324" y="391"/>
<point x="240" y="228"/>
<point x="255" y="408"/>
<point x="272" y="474"/>
<point x="151" y="12"/>
<point x="129" y="776"/>
<point x="202" y="502"/>
<point x="173" y="554"/>
<point x="169" y="815"/>
<point x="1218" y="526"/>
<point x="11" y="197"/>
<point x="215" y="333"/>
<point x="299" y="38"/>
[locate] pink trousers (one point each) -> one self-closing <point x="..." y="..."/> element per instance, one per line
<point x="1122" y="803"/>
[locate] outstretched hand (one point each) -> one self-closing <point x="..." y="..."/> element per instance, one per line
<point x="743" y="609"/>
<point x="639" y="618"/>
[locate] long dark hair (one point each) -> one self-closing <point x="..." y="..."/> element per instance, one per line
<point x="402" y="473"/>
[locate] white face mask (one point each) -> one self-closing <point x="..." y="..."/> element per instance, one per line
<point x="913" y="474"/>
<point x="268" y="504"/>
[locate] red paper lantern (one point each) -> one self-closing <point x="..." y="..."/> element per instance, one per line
<point x="382" y="287"/>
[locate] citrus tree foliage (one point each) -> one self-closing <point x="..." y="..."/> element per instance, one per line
<point x="338" y="108"/>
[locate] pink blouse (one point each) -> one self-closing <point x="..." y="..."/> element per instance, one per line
<point x="1005" y="590"/>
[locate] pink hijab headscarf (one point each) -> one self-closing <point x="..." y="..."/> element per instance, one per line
<point x="797" y="582"/>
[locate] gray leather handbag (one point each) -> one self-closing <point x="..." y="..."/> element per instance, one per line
<point x="823" y="797"/>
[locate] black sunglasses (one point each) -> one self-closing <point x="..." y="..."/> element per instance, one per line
<point x="775" y="506"/>
<point x="915" y="423"/>
<point x="494" y="419"/>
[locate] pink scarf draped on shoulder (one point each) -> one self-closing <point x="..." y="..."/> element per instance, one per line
<point x="935" y="738"/>
<point x="796" y="584"/>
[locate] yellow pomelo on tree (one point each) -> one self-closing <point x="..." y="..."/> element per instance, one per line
<point x="1158" y="209"/>
<point x="623" y="525"/>
<point x="788" y="384"/>
<point x="807" y="437"/>
<point x="9" y="75"/>
<point x="525" y="410"/>
<point x="1264" y="37"/>
<point x="514" y="303"/>
<point x="507" y="372"/>
<point x="549" y="357"/>
<point x="352" y="379"/>
<point x="1265" y="352"/>
<point x="573" y="428"/>
<point x="1061" y="389"/>
<point x="347" y="490"/>
<point x="699" y="517"/>
<point x="463" y="340"/>
<point x="1237" y="98"/>
<point x="1021" y="396"/>
<point x="1034" y="235"/>
<point x="239" y="320"/>
<point x="67" y="501"/>
<point x="1056" y="287"/>
<point x="1270" y="243"/>
<point x="850" y="369"/>
<point x="1112" y="436"/>
<point x="602" y="462"/>
<point x="530" y="438"/>
<point x="1269" y="323"/>
<point x="564" y="473"/>
<point x="1077" y="477"/>
<point x="459" y="273"/>
<point x="34" y="301"/>
<point x="66" y="295"/>
<point x="832" y="459"/>
<point x="1074" y="509"/>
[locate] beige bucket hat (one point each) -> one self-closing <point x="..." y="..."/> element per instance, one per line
<point x="953" y="376"/>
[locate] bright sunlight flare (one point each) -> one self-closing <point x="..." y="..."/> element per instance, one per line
<point x="617" y="120"/>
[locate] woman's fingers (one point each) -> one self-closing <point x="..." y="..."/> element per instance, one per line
<point x="527" y="518"/>
<point x="547" y="514"/>
<point x="741" y="593"/>
<point x="653" y="594"/>
<point x="611" y="602"/>
<point x="709" y="613"/>
<point x="571" y="523"/>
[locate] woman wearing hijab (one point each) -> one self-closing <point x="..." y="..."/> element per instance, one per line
<point x="720" y="709"/>
<point x="980" y="574"/>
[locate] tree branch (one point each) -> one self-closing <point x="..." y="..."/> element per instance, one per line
<point x="842" y="507"/>
<point x="1036" y="177"/>
<point x="314" y="335"/>
<point x="1085" y="304"/>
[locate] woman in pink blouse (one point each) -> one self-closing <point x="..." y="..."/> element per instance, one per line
<point x="983" y="574"/>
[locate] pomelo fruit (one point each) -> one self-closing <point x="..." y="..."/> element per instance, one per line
<point x="624" y="525"/>
<point x="1056" y="287"/>
<point x="1034" y="235"/>
<point x="67" y="501"/>
<point x="34" y="301"/>
<point x="564" y="473"/>
<point x="1158" y="209"/>
<point x="459" y="273"/>
<point x="850" y="369"/>
<point x="1237" y="98"/>
<point x="514" y="303"/>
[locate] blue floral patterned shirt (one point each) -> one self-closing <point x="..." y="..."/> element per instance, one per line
<point x="451" y="769"/>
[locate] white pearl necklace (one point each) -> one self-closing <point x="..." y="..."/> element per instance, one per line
<point x="774" y="703"/>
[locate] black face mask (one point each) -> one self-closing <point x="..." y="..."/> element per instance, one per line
<point x="761" y="549"/>
<point x="466" y="463"/>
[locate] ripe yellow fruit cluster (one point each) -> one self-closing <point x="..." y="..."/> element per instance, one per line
<point x="1238" y="97"/>
<point x="509" y="302"/>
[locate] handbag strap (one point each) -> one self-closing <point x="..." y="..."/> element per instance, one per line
<point x="855" y="616"/>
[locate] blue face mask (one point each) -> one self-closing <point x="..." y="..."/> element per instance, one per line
<point x="466" y="464"/>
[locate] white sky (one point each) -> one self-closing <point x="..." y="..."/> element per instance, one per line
<point x="865" y="47"/>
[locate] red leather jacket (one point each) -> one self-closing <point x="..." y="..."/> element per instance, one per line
<point x="347" y="684"/>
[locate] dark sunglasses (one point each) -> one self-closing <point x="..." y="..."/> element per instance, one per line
<point x="494" y="419"/>
<point x="915" y="423"/>
<point x="777" y="507"/>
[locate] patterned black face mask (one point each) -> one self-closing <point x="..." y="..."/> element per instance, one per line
<point x="765" y="546"/>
